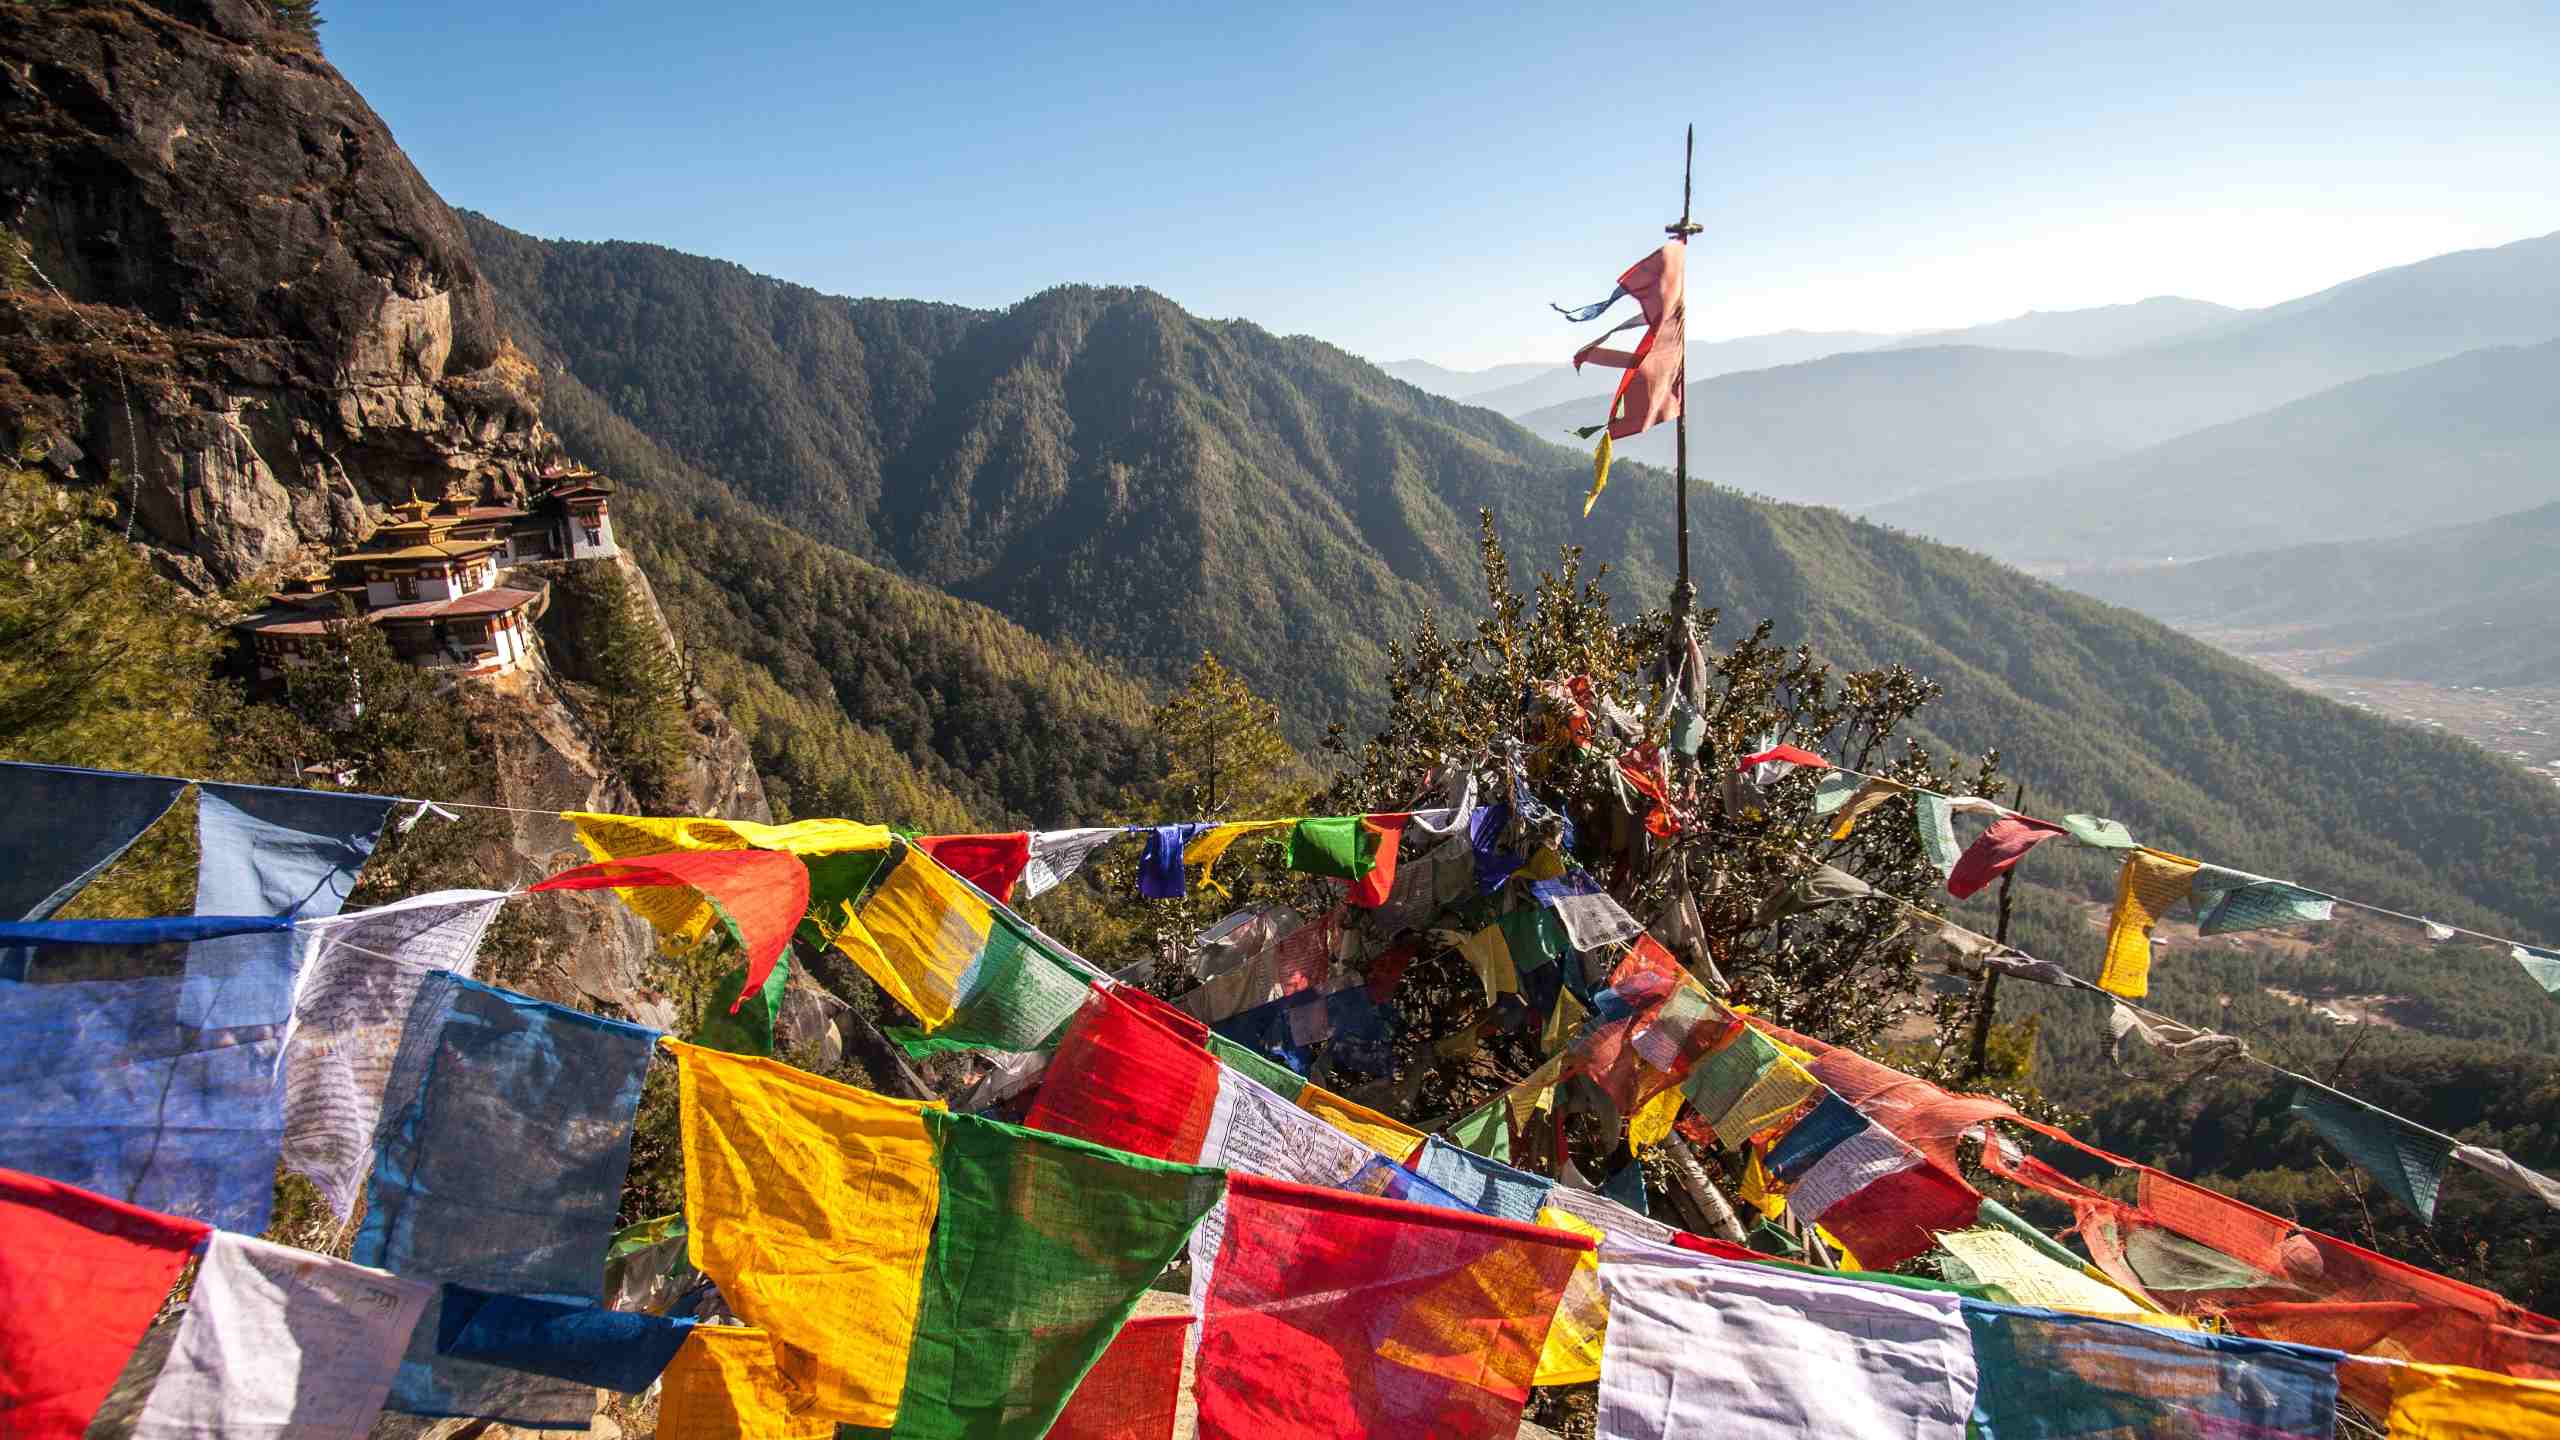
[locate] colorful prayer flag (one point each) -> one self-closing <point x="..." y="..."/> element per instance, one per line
<point x="921" y="1273"/>
<point x="1383" y="1133"/>
<point x="1339" y="846"/>
<point x="2406" y="1160"/>
<point x="2232" y="900"/>
<point x="1705" y="1346"/>
<point x="77" y="823"/>
<point x="283" y="1342"/>
<point x="1056" y="855"/>
<point x="2150" y="883"/>
<point x="265" y="851"/>
<point x="840" y="855"/>
<point x="351" y="1010"/>
<point x="1335" y="1314"/>
<point x="1997" y="851"/>
<point x="2453" y="1402"/>
<point x="1121" y="1078"/>
<point x="499" y="1165"/>
<point x="2044" y="1374"/>
<point x="920" y="935"/>
<point x="725" y="1384"/>
<point x="1134" y="1392"/>
<point x="83" y="1276"/>
<point x="993" y="863"/>
<point x="759" y="894"/>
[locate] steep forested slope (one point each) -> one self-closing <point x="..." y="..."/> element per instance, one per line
<point x="1110" y="471"/>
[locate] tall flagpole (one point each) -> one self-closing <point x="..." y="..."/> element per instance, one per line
<point x="1683" y="594"/>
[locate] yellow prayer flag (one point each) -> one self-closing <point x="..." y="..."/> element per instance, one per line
<point x="924" y="929"/>
<point x="811" y="1206"/>
<point x="724" y="1385"/>
<point x="678" y="912"/>
<point x="2454" y="1402"/>
<point x="2150" y="883"/>
<point x="1756" y="1190"/>
<point x="1385" y="1134"/>
<point x="1574" y="1341"/>
<point x="1873" y="793"/>
<point x="1546" y="864"/>
<point x="1536" y="1094"/>
<point x="1771" y="1098"/>
<point x="1654" y="1119"/>
<point x="1839" y="1252"/>
<point x="1599" y="475"/>
<point x="1488" y="953"/>
<point x="1563" y="1023"/>
<point x="1205" y="850"/>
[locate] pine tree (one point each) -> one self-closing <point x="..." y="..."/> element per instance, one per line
<point x="102" y="662"/>
<point x="624" y="653"/>
<point x="1225" y="755"/>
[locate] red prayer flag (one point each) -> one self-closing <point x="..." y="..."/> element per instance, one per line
<point x="1330" y="1313"/>
<point x="761" y="893"/>
<point x="1135" y="1390"/>
<point x="1788" y="754"/>
<point x="80" y="1278"/>
<point x="1370" y="890"/>
<point x="1650" y="393"/>
<point x="991" y="862"/>
<point x="1387" y="971"/>
<point x="1124" y="1080"/>
<point x="1164" y="1013"/>
<point x="1998" y="851"/>
<point x="1899" y="1216"/>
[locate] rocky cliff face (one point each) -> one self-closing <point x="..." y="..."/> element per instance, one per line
<point x="246" y="316"/>
<point x="258" y="303"/>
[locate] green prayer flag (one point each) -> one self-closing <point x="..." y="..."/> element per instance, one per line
<point x="2100" y="833"/>
<point x="2542" y="965"/>
<point x="751" y="1030"/>
<point x="1269" y="1073"/>
<point x="1937" y="821"/>
<point x="1836" y="790"/>
<point x="2229" y="900"/>
<point x="1721" y="1079"/>
<point x="1534" y="936"/>
<point x="1018" y="996"/>
<point x="1486" y="1130"/>
<point x="1335" y="845"/>
<point x="836" y="880"/>
<point x="2404" y="1159"/>
<point x="1042" y="1245"/>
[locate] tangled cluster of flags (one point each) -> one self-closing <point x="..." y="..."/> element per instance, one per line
<point x="909" y="1268"/>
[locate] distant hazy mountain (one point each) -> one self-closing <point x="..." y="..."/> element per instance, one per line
<point x="1864" y="429"/>
<point x="1867" y="427"/>
<point x="2457" y="440"/>
<point x="2100" y="331"/>
<point x="2457" y="605"/>
<point x="1450" y="384"/>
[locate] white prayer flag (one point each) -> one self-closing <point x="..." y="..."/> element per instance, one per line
<point x="282" y="1344"/>
<point x="1700" y="1346"/>
<point x="350" y="1006"/>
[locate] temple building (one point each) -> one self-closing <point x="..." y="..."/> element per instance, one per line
<point x="429" y="580"/>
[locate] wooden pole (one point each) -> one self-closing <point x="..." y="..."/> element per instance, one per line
<point x="1990" y="1000"/>
<point x="1683" y="594"/>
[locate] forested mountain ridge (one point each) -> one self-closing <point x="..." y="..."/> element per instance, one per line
<point x="1107" y="470"/>
<point x="2456" y="605"/>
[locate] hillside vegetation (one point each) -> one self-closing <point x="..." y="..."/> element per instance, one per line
<point x="1110" y="472"/>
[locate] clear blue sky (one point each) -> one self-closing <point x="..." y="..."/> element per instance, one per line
<point x="1421" y="183"/>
